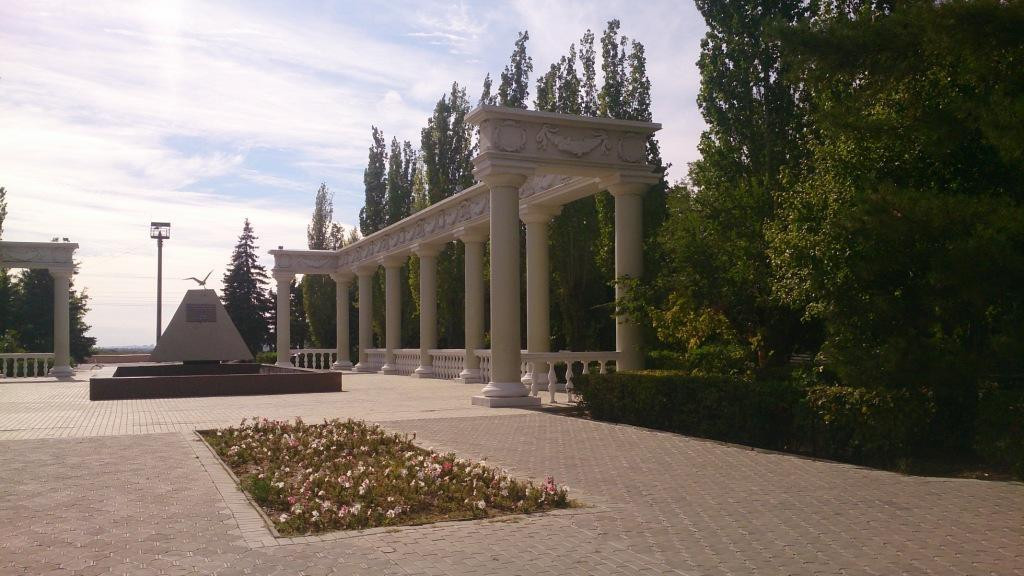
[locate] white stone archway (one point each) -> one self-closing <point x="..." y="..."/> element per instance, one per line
<point x="530" y="164"/>
<point x="58" y="259"/>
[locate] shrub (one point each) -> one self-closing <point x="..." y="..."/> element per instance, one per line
<point x="726" y="408"/>
<point x="867" y="424"/>
<point x="999" y="428"/>
<point x="266" y="357"/>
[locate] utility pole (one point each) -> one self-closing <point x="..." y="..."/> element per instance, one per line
<point x="160" y="231"/>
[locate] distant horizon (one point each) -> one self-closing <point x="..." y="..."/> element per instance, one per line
<point x="203" y="115"/>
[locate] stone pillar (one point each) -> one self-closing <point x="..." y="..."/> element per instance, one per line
<point x="505" y="387"/>
<point x="284" y="317"/>
<point x="342" y="280"/>
<point x="365" y="317"/>
<point x="392" y="312"/>
<point x="538" y="272"/>
<point x="428" y="308"/>
<point x="61" y="324"/>
<point x="629" y="254"/>
<point x="474" y="282"/>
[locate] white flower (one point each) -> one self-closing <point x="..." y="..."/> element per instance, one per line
<point x="481" y="505"/>
<point x="283" y="518"/>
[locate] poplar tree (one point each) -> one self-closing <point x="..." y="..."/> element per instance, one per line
<point x="514" y="91"/>
<point x="245" y="295"/>
<point x="588" y="64"/>
<point x="373" y="215"/>
<point x="318" y="291"/>
<point x="547" y="91"/>
<point x="486" y="98"/>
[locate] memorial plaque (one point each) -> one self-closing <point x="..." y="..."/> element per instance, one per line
<point x="200" y="313"/>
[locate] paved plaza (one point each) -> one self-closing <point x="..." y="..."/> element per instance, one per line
<point x="124" y="487"/>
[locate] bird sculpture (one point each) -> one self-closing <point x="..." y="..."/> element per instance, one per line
<point x="202" y="283"/>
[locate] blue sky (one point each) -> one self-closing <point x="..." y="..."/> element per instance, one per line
<point x="114" y="114"/>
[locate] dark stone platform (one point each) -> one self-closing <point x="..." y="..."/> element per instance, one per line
<point x="192" y="380"/>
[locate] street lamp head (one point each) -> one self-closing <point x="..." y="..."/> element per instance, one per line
<point x="160" y="230"/>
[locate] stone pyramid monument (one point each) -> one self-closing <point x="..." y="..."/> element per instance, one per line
<point x="200" y="331"/>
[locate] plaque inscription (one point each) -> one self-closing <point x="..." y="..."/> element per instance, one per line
<point x="200" y="313"/>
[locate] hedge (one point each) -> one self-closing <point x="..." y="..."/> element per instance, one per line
<point x="877" y="426"/>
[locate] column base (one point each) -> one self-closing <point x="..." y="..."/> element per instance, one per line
<point x="470" y="376"/>
<point x="388" y="369"/>
<point x="346" y="365"/>
<point x="508" y="402"/>
<point x="424" y="372"/>
<point x="62" y="372"/>
<point x="365" y="368"/>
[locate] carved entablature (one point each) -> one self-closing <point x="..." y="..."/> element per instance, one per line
<point x="52" y="255"/>
<point x="561" y="143"/>
<point x="305" y="261"/>
<point x="436" y="224"/>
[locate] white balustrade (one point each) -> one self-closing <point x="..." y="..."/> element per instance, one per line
<point x="407" y="360"/>
<point x="448" y="362"/>
<point x="315" y="358"/>
<point x="375" y="358"/>
<point x="485" y="364"/>
<point x="589" y="362"/>
<point x="25" y="364"/>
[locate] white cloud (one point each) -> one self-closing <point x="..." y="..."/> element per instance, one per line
<point x="114" y="114"/>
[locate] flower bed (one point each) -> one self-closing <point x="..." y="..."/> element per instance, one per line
<point x="311" y="478"/>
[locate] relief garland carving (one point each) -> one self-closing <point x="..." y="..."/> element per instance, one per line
<point x="576" y="146"/>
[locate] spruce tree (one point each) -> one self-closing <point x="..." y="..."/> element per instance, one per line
<point x="514" y="91"/>
<point x="373" y="215"/>
<point x="245" y="295"/>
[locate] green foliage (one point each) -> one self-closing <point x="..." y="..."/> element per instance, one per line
<point x="3" y="209"/>
<point x="903" y="233"/>
<point x="318" y="291"/>
<point x="1000" y="427"/>
<point x="514" y="90"/>
<point x="373" y="215"/>
<point x="868" y="424"/>
<point x="246" y="296"/>
<point x="725" y="408"/>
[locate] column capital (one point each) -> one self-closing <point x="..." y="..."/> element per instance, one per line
<point x="61" y="272"/>
<point x="283" y="275"/>
<point x="365" y="270"/>
<point x="427" y="250"/>
<point x="538" y="214"/>
<point x="472" y="234"/>
<point x="393" y="260"/>
<point x="343" y="277"/>
<point x="629" y="184"/>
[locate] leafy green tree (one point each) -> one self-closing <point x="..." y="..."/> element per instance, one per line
<point x="318" y="292"/>
<point x="373" y="215"/>
<point x="245" y="295"/>
<point x="32" y="311"/>
<point x="588" y="86"/>
<point x="486" y="98"/>
<point x="547" y="90"/>
<point x="716" y="288"/>
<point x="6" y="293"/>
<point x="904" y="231"/>
<point x="447" y="151"/>
<point x="514" y="90"/>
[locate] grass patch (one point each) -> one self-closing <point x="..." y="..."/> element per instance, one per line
<point x="347" y="475"/>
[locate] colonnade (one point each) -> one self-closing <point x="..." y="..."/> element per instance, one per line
<point x="506" y="386"/>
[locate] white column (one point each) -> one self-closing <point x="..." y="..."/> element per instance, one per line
<point x="505" y="387"/>
<point x="342" y="281"/>
<point x="284" y="317"/>
<point x="428" y="308"/>
<point x="61" y="324"/>
<point x="474" y="320"/>
<point x="538" y="271"/>
<point x="365" y="316"/>
<point x="629" y="263"/>
<point x="392" y="312"/>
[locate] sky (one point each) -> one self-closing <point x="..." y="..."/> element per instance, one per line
<point x="203" y="114"/>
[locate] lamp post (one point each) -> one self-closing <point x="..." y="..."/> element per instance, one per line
<point x="160" y="231"/>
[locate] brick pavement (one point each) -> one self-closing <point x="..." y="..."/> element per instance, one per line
<point x="77" y="497"/>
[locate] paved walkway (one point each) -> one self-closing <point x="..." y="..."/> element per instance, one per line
<point x="123" y="487"/>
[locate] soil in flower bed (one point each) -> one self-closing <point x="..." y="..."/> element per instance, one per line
<point x="344" y="475"/>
